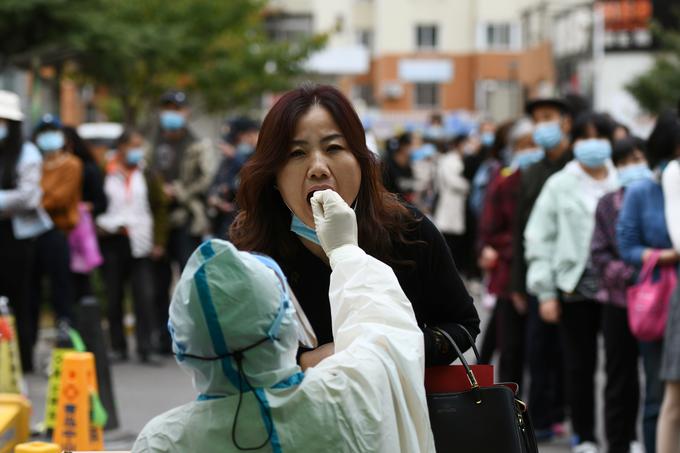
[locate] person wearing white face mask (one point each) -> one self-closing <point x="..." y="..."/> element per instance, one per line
<point x="22" y="218"/>
<point x="62" y="190"/>
<point x="560" y="273"/>
<point x="131" y="231"/>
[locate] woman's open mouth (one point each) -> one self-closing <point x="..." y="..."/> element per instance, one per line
<point x="315" y="189"/>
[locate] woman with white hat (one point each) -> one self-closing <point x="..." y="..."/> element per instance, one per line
<point x="22" y="218"/>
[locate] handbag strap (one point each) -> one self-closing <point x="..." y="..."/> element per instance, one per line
<point x="649" y="265"/>
<point x="472" y="342"/>
<point x="470" y="375"/>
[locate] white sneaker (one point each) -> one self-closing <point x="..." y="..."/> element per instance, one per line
<point x="585" y="447"/>
<point x="636" y="447"/>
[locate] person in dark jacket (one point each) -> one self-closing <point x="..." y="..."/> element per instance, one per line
<point x="622" y="391"/>
<point x="552" y="125"/>
<point x="93" y="197"/>
<point x="311" y="140"/>
<point x="241" y="141"/>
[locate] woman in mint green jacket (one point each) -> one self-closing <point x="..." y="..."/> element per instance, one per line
<point x="557" y="249"/>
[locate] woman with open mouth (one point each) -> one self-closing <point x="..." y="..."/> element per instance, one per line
<point x="311" y="140"/>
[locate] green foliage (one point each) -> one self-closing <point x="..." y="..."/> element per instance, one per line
<point x="139" y="48"/>
<point x="659" y="88"/>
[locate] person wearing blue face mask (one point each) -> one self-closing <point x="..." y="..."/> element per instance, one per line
<point x="132" y="230"/>
<point x="495" y="238"/>
<point x="62" y="190"/>
<point x="642" y="229"/>
<point x="560" y="273"/>
<point x="622" y="391"/>
<point x="186" y="165"/>
<point x="240" y="140"/>
<point x="544" y="352"/>
<point x="311" y="140"/>
<point x="22" y="218"/>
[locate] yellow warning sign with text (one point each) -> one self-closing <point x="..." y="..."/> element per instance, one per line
<point x="74" y="428"/>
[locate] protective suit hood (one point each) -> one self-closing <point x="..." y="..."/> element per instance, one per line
<point x="226" y="301"/>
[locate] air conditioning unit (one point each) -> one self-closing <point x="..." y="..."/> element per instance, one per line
<point x="392" y="90"/>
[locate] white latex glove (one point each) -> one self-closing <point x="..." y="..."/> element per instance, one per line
<point x="334" y="220"/>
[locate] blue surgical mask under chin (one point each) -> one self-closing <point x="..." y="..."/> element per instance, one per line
<point x="527" y="157"/>
<point x="593" y="152"/>
<point x="3" y="131"/>
<point x="302" y="230"/>
<point x="632" y="173"/>
<point x="134" y="156"/>
<point x="548" y="135"/>
<point x="50" y="141"/>
<point x="172" y="120"/>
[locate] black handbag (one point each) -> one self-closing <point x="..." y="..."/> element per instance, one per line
<point x="482" y="419"/>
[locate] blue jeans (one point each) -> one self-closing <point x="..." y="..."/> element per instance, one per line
<point x="651" y="360"/>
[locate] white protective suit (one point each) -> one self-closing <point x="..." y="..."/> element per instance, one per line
<point x="368" y="397"/>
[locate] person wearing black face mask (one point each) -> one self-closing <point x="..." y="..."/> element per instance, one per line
<point x="22" y="218"/>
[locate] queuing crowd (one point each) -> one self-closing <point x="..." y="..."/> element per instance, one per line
<point x="558" y="213"/>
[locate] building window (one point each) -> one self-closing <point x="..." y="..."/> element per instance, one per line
<point x="288" y="27"/>
<point x="498" y="36"/>
<point x="426" y="36"/>
<point x="364" y="92"/>
<point x="426" y="95"/>
<point x="365" y="38"/>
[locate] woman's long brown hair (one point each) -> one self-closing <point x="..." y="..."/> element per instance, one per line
<point x="263" y="223"/>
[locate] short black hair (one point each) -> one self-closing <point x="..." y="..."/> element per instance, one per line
<point x="555" y="103"/>
<point x="625" y="147"/>
<point x="664" y="139"/>
<point x="126" y="136"/>
<point x="457" y="140"/>
<point x="601" y="122"/>
<point x="76" y="144"/>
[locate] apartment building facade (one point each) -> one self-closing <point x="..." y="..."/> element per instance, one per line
<point x="407" y="55"/>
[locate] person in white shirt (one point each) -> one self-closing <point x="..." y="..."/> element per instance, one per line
<point x="131" y="231"/>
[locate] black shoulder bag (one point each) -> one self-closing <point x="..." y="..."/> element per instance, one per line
<point x="481" y="419"/>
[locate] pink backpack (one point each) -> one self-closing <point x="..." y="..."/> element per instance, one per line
<point x="648" y="300"/>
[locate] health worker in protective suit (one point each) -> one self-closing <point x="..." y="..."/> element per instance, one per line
<point x="234" y="329"/>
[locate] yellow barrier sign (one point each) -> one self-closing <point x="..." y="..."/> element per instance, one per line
<point x="15" y="415"/>
<point x="74" y="428"/>
<point x="10" y="364"/>
<point x="53" y="383"/>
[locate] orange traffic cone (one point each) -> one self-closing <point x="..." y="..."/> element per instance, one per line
<point x="80" y="416"/>
<point x="11" y="378"/>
